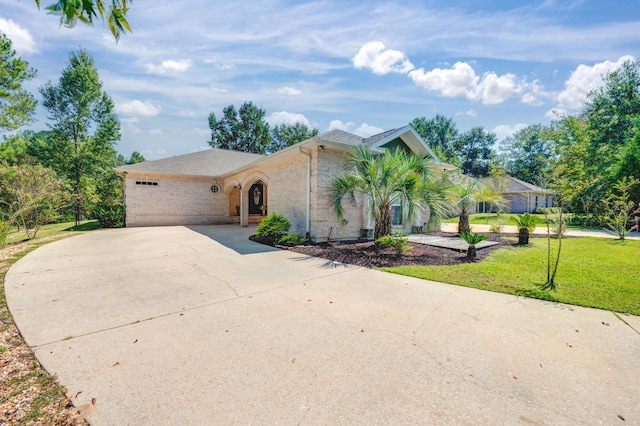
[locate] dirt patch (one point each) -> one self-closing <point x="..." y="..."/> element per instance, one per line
<point x="365" y="253"/>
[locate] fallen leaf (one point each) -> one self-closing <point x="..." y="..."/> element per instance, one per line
<point x="621" y="418"/>
<point x="293" y="360"/>
<point x="362" y="330"/>
<point x="605" y="323"/>
<point x="569" y="345"/>
<point x="577" y="331"/>
<point x="515" y="377"/>
<point x="135" y="341"/>
<point x="117" y="363"/>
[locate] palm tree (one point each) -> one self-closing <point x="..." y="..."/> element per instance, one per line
<point x="471" y="192"/>
<point x="472" y="240"/>
<point x="526" y="224"/>
<point x="392" y="177"/>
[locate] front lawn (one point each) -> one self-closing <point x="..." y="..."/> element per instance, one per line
<point x="508" y="219"/>
<point x="594" y="272"/>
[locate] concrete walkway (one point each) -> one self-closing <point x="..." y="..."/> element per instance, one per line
<point x="196" y="326"/>
<point x="600" y="233"/>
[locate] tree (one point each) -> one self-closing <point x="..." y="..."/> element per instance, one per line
<point x="244" y="129"/>
<point x="136" y="158"/>
<point x="285" y="135"/>
<point x="472" y="239"/>
<point x="31" y="196"/>
<point x="16" y="104"/>
<point x="440" y="133"/>
<point x="474" y="151"/>
<point x="84" y="129"/>
<point x="527" y="154"/>
<point x="468" y="193"/>
<point x="86" y="11"/>
<point x="613" y="116"/>
<point x="392" y="177"/>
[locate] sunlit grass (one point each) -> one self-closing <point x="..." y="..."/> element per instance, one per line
<point x="594" y="272"/>
<point x="53" y="229"/>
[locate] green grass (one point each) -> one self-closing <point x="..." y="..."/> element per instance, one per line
<point x="53" y="229"/>
<point x="491" y="218"/>
<point x="593" y="272"/>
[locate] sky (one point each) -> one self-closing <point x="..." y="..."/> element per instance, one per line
<point x="360" y="66"/>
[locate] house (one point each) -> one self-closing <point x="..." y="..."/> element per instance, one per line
<point x="523" y="197"/>
<point x="220" y="186"/>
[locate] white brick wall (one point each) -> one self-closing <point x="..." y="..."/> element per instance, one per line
<point x="176" y="200"/>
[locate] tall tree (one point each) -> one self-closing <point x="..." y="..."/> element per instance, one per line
<point x="474" y="151"/>
<point x="244" y="129"/>
<point x="284" y="135"/>
<point x="440" y="133"/>
<point x="527" y="154"/>
<point x="387" y="179"/>
<point x="86" y="11"/>
<point x="84" y="128"/>
<point x="16" y="104"/>
<point x="613" y="116"/>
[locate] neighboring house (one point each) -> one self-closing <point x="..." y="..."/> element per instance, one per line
<point x="524" y="197"/>
<point x="220" y="186"/>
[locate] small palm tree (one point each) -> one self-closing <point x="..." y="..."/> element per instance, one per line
<point x="472" y="240"/>
<point x="526" y="224"/>
<point x="471" y="192"/>
<point x="392" y="177"/>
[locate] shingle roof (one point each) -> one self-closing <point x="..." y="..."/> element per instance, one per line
<point x="212" y="162"/>
<point x="517" y="185"/>
<point x="340" y="136"/>
<point x="375" y="138"/>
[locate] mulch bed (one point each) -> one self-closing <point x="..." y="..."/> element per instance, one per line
<point x="365" y="253"/>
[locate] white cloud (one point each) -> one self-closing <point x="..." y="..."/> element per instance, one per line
<point x="462" y="80"/>
<point x="555" y="113"/>
<point x="456" y="81"/>
<point x="337" y="124"/>
<point x="366" y="130"/>
<point x="535" y="94"/>
<point x="495" y="90"/>
<point x="284" y="117"/>
<point x="21" y="39"/>
<point x="470" y="113"/>
<point x="374" y="56"/>
<point x="584" y="79"/>
<point x="136" y="108"/>
<point x="503" y="130"/>
<point x="170" y="66"/>
<point x="291" y="91"/>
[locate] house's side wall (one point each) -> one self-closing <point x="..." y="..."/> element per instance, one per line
<point x="518" y="203"/>
<point x="328" y="164"/>
<point x="175" y="200"/>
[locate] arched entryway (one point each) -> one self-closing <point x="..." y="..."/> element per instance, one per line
<point x="257" y="201"/>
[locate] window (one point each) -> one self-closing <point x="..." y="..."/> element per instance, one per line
<point x="146" y="182"/>
<point x="396" y="209"/>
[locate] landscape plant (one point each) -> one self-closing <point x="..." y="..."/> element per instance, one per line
<point x="388" y="179"/>
<point x="272" y="228"/>
<point x="472" y="239"/>
<point x="468" y="193"/>
<point x="399" y="242"/>
<point x="291" y="239"/>
<point x="618" y="205"/>
<point x="526" y="224"/>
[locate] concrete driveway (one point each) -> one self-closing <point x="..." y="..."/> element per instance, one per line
<point x="177" y="325"/>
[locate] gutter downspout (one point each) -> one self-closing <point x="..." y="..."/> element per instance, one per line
<point x="308" y="218"/>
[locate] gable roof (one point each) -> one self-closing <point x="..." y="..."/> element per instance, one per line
<point x="514" y="185"/>
<point x="211" y="163"/>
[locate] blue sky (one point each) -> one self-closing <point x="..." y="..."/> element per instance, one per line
<point x="362" y="66"/>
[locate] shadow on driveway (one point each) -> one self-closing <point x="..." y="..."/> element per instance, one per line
<point x="235" y="237"/>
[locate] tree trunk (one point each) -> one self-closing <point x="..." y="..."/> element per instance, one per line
<point x="523" y="236"/>
<point x="471" y="252"/>
<point x="463" y="223"/>
<point x="383" y="227"/>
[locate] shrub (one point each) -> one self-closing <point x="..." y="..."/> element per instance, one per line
<point x="398" y="242"/>
<point x="110" y="216"/>
<point x="526" y="224"/>
<point x="291" y="240"/>
<point x="472" y="239"/>
<point x="272" y="228"/>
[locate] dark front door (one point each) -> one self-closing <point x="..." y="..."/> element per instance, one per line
<point x="256" y="198"/>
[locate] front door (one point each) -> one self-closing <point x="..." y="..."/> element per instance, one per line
<point x="256" y="198"/>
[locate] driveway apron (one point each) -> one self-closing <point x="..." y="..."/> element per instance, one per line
<point x="198" y="325"/>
